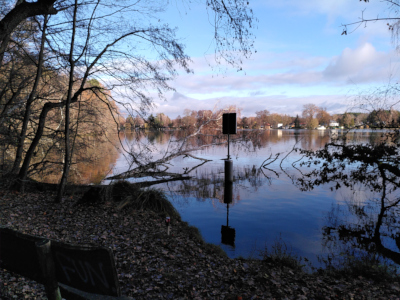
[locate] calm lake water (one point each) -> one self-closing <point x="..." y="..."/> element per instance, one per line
<point x="267" y="204"/>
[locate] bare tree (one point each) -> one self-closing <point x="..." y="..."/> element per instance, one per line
<point x="30" y="100"/>
<point x="385" y="97"/>
<point x="149" y="161"/>
<point x="381" y="103"/>
<point x="19" y="13"/>
<point x="309" y="112"/>
<point x="323" y="116"/>
<point x="85" y="42"/>
<point x="72" y="61"/>
<point x="390" y="16"/>
<point x="262" y="116"/>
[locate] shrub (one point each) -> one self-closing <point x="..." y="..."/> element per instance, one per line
<point x="132" y="196"/>
<point x="282" y="255"/>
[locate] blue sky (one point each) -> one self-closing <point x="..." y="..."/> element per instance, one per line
<point x="301" y="58"/>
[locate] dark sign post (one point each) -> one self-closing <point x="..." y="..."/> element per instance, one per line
<point x="229" y="126"/>
<point x="229" y="123"/>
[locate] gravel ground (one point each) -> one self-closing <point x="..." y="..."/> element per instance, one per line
<point x="152" y="265"/>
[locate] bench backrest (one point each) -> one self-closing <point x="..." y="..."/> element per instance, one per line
<point x="86" y="268"/>
<point x="18" y="253"/>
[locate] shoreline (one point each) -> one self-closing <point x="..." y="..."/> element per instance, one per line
<point x="152" y="265"/>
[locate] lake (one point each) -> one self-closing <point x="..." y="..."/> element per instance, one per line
<point x="267" y="204"/>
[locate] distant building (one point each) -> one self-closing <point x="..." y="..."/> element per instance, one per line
<point x="279" y="125"/>
<point x="265" y="126"/>
<point x="333" y="124"/>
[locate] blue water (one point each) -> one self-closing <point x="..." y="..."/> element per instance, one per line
<point x="260" y="217"/>
<point x="266" y="207"/>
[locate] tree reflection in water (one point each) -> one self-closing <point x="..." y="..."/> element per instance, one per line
<point x="368" y="222"/>
<point x="210" y="184"/>
<point x="262" y="160"/>
<point x="92" y="161"/>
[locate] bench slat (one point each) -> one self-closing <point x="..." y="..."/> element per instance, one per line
<point x="71" y="293"/>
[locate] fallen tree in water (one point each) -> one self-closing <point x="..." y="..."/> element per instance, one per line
<point x="153" y="169"/>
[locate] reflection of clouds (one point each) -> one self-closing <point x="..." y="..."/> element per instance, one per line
<point x="357" y="196"/>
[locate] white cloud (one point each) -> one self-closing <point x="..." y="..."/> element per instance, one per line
<point x="304" y="63"/>
<point x="344" y="9"/>
<point x="250" y="104"/>
<point x="362" y="65"/>
<point x="353" y="66"/>
<point x="280" y="82"/>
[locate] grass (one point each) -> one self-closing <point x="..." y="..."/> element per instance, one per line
<point x="282" y="255"/>
<point x="367" y="265"/>
<point x="194" y="233"/>
<point x="343" y="265"/>
<point x="129" y="195"/>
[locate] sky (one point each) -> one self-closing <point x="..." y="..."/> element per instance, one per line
<point x="301" y="58"/>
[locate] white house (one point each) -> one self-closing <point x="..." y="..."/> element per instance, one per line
<point x="333" y="124"/>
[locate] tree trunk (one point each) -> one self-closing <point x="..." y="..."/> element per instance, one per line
<point x="18" y="14"/>
<point x="67" y="158"/>
<point x="23" y="172"/>
<point x="32" y="95"/>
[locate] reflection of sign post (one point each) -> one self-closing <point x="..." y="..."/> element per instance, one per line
<point x="228" y="192"/>
<point x="228" y="234"/>
<point x="228" y="171"/>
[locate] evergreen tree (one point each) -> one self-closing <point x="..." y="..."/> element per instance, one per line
<point x="297" y="122"/>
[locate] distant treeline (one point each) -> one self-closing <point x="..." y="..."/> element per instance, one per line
<point x="311" y="117"/>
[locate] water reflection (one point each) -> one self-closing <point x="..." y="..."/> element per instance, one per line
<point x="366" y="220"/>
<point x="209" y="183"/>
<point x="93" y="159"/>
<point x="228" y="234"/>
<point x="317" y="211"/>
<point x="278" y="199"/>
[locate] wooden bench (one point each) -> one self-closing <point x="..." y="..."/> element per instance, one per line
<point x="73" y="271"/>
